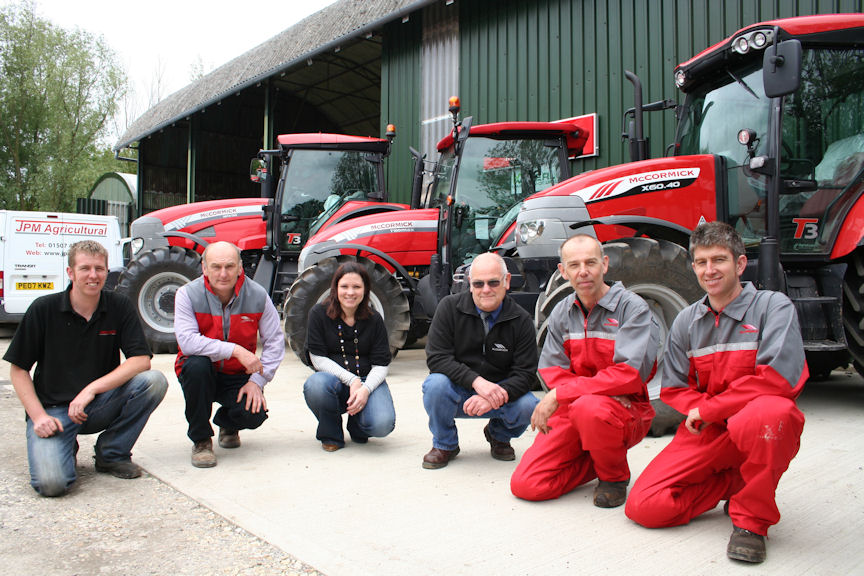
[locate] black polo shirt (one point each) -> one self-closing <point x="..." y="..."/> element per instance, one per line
<point x="70" y="352"/>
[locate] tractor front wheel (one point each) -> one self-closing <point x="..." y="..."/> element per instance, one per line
<point x="151" y="282"/>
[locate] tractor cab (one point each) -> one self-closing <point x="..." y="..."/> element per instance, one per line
<point x="320" y="173"/>
<point x="484" y="172"/>
<point x="819" y="140"/>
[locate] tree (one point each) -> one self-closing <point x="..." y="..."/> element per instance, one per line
<point x="59" y="91"/>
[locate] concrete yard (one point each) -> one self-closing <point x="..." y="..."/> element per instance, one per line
<point x="372" y="510"/>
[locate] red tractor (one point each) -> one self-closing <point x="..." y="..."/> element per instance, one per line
<point x="770" y="139"/>
<point x="477" y="185"/>
<point x="324" y="179"/>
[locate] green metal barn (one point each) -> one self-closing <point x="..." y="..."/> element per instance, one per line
<point x="358" y="65"/>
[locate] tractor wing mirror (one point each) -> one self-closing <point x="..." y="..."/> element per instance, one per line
<point x="781" y="68"/>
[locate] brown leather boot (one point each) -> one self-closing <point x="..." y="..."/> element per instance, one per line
<point x="202" y="454"/>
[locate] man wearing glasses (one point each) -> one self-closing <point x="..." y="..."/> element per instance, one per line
<point x="482" y="359"/>
<point x="600" y="350"/>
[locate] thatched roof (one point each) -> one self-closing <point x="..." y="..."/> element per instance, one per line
<point x="320" y="32"/>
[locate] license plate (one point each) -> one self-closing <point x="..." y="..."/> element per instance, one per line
<point x="34" y="285"/>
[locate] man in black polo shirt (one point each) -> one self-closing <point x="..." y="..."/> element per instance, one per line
<point x="80" y="386"/>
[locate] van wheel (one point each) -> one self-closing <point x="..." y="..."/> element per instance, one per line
<point x="150" y="282"/>
<point x="313" y="286"/>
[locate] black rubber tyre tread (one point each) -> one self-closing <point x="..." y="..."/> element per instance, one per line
<point x="140" y="271"/>
<point x="853" y="308"/>
<point x="314" y="282"/>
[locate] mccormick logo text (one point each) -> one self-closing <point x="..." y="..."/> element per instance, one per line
<point x="639" y="183"/>
<point x="60" y="228"/>
<point x="748" y="329"/>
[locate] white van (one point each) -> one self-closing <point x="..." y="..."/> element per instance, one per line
<point x="33" y="252"/>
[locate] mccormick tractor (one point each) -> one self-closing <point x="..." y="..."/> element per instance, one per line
<point x="770" y="139"/>
<point x="324" y="179"/>
<point x="477" y="186"/>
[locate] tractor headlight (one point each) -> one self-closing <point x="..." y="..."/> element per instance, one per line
<point x="531" y="230"/>
<point x="136" y="244"/>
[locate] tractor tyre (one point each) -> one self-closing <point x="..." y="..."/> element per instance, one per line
<point x="313" y="286"/>
<point x="853" y="308"/>
<point x="657" y="270"/>
<point x="150" y="282"/>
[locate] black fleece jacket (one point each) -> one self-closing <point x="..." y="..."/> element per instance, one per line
<point x="457" y="347"/>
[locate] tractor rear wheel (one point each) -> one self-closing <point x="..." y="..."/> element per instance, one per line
<point x="853" y="308"/>
<point x="150" y="282"/>
<point x="658" y="271"/>
<point x="313" y="286"/>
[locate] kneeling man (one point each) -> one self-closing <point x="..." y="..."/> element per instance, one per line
<point x="600" y="350"/>
<point x="734" y="364"/>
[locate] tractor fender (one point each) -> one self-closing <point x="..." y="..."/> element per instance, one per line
<point x="311" y="255"/>
<point x="196" y="240"/>
<point x="644" y="226"/>
<point x="851" y="233"/>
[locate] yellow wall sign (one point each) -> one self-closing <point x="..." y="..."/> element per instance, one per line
<point x="34" y="285"/>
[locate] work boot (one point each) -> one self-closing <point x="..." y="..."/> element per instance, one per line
<point x="202" y="454"/>
<point x="437" y="458"/>
<point x="746" y="546"/>
<point x="500" y="450"/>
<point x="229" y="438"/>
<point x="610" y="494"/>
<point x="125" y="469"/>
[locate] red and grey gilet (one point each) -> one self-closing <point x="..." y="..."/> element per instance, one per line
<point x="238" y="323"/>
<point x="720" y="361"/>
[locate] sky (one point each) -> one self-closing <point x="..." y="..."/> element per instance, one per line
<point x="158" y="42"/>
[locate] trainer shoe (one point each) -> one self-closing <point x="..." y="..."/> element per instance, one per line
<point x="202" y="454"/>
<point x="500" y="450"/>
<point x="746" y="546"/>
<point x="610" y="494"/>
<point x="229" y="438"/>
<point x="125" y="469"/>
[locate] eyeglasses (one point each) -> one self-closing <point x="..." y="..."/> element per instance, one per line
<point x="478" y="284"/>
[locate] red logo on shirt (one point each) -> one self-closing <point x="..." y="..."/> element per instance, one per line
<point x="748" y="329"/>
<point x="611" y="322"/>
<point x="107" y="333"/>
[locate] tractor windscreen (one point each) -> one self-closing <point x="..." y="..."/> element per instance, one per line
<point x="494" y="176"/>
<point x="317" y="183"/>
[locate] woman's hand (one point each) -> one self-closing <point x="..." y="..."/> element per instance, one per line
<point x="358" y="397"/>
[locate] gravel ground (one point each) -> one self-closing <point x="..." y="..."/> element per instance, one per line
<point x="110" y="526"/>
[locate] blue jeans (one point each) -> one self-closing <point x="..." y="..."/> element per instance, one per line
<point x="327" y="397"/>
<point x="121" y="413"/>
<point x="443" y="401"/>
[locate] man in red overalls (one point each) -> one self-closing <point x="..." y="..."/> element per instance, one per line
<point x="600" y="350"/>
<point x="734" y="364"/>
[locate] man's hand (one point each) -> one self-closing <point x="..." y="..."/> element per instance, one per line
<point x="543" y="411"/>
<point x="357" y="397"/>
<point x="255" y="401"/>
<point x="694" y="422"/>
<point x="476" y="405"/>
<point x="249" y="360"/>
<point x="79" y="403"/>
<point x="493" y="393"/>
<point x="46" y="426"/>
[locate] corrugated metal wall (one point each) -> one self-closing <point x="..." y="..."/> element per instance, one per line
<point x="400" y="100"/>
<point x="551" y="59"/>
